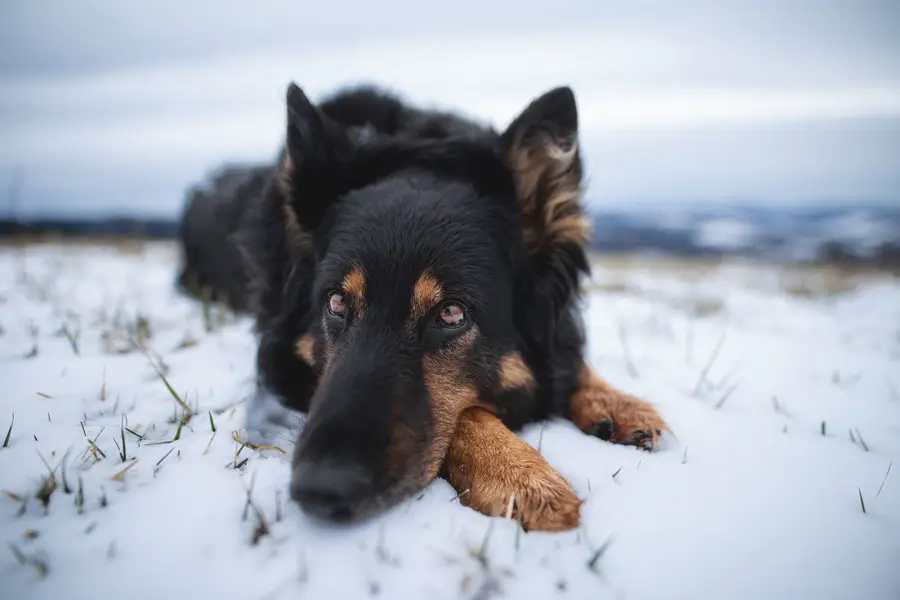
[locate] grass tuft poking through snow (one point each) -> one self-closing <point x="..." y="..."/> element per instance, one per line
<point x="110" y="476"/>
<point x="12" y="422"/>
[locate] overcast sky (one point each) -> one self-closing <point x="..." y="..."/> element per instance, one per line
<point x="118" y="107"/>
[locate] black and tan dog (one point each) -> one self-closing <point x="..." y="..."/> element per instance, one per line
<point x="415" y="278"/>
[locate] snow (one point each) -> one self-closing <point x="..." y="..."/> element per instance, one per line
<point x="750" y="501"/>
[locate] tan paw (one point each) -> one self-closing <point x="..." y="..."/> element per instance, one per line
<point x="499" y="474"/>
<point x="531" y="493"/>
<point x="599" y="409"/>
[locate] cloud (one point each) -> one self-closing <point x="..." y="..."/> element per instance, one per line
<point x="126" y="110"/>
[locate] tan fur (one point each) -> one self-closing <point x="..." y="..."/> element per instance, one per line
<point x="549" y="194"/>
<point x="299" y="239"/>
<point x="284" y="174"/>
<point x="514" y="374"/>
<point x="400" y="455"/>
<point x="497" y="467"/>
<point x="305" y="349"/>
<point x="427" y="292"/>
<point x="450" y="395"/>
<point x="596" y="400"/>
<point x="296" y="235"/>
<point x="354" y="286"/>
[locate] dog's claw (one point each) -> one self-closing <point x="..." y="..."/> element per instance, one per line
<point x="644" y="440"/>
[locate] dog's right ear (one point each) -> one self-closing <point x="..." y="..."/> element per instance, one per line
<point x="309" y="173"/>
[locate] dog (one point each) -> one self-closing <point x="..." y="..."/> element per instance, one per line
<point x="415" y="279"/>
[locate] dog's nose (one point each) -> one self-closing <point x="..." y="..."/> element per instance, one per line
<point x="330" y="492"/>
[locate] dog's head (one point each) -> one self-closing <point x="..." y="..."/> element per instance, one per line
<point x="439" y="264"/>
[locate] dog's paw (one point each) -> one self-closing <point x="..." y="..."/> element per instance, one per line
<point x="599" y="409"/>
<point x="531" y="492"/>
<point x="627" y="420"/>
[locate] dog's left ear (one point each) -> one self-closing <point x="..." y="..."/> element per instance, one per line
<point x="311" y="169"/>
<point x="541" y="150"/>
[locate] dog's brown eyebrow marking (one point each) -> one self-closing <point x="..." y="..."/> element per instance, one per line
<point x="427" y="292"/>
<point x="305" y="346"/>
<point x="354" y="285"/>
<point x="514" y="374"/>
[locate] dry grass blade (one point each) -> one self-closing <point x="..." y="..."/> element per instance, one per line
<point x="727" y="376"/>
<point x="862" y="442"/>
<point x="40" y="565"/>
<point x="184" y="407"/>
<point x="159" y="463"/>
<point x="895" y="396"/>
<point x="725" y="396"/>
<point x="460" y="495"/>
<point x="9" y="431"/>
<point x="510" y="506"/>
<point x="249" y="490"/>
<point x="629" y="363"/>
<point x="861" y="501"/>
<point x="262" y="525"/>
<point x="258" y="447"/>
<point x="209" y="443"/>
<point x="709" y="364"/>
<point x="237" y="452"/>
<point x="120" y="476"/>
<point x="103" y="386"/>
<point x="94" y="448"/>
<point x="46" y="489"/>
<point x="13" y="496"/>
<point x="66" y="488"/>
<point x="883" y="481"/>
<point x="72" y="337"/>
<point x="481" y="553"/>
<point x="598" y="553"/>
<point x="48" y="484"/>
<point x="79" y="497"/>
<point x="124" y="453"/>
<point x="184" y="418"/>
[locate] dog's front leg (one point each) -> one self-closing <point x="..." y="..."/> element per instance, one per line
<point x="499" y="474"/>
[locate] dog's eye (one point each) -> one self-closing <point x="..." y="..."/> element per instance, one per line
<point x="452" y="316"/>
<point x="336" y="304"/>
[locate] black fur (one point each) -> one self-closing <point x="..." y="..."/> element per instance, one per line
<point x="367" y="181"/>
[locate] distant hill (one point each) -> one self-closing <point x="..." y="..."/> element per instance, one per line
<point x="845" y="233"/>
<point x="99" y="227"/>
<point x="848" y="232"/>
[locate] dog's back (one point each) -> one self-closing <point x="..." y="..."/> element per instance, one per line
<point x="214" y="267"/>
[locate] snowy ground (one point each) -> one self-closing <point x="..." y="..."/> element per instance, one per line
<point x="794" y="425"/>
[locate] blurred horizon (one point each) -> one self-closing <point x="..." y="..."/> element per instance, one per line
<point x="114" y="109"/>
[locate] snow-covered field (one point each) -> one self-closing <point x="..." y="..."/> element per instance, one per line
<point x="783" y="434"/>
